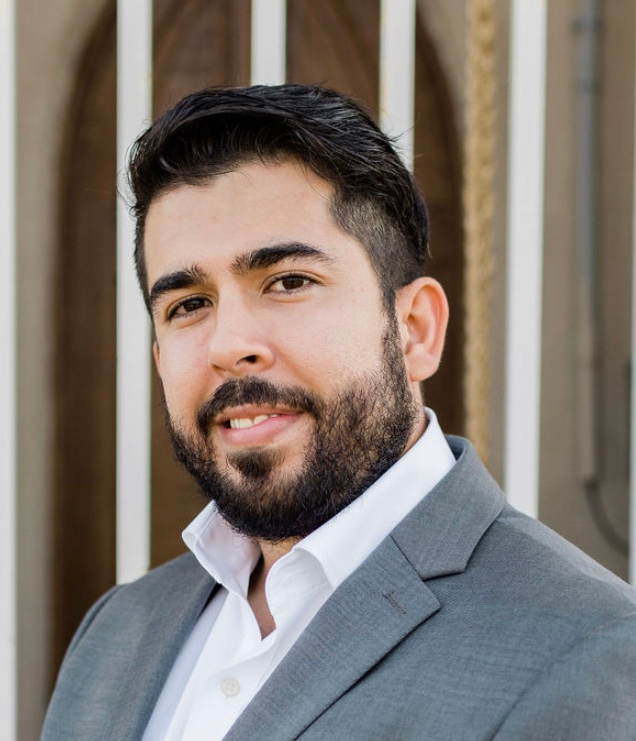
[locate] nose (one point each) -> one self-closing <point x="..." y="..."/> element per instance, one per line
<point x="239" y="342"/>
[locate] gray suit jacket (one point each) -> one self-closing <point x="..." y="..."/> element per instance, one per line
<point x="469" y="622"/>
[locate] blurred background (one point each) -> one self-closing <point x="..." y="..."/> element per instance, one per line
<point x="59" y="498"/>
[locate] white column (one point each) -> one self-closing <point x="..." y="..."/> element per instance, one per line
<point x="632" y="457"/>
<point x="134" y="90"/>
<point x="269" y="50"/>
<point x="525" y="252"/>
<point x="8" y="375"/>
<point x="397" y="73"/>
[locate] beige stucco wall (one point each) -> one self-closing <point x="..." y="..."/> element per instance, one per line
<point x="50" y="38"/>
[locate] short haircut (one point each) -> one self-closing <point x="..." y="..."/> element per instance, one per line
<point x="216" y="130"/>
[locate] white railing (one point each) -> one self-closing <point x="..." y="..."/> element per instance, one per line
<point x="397" y="73"/>
<point x="526" y="129"/>
<point x="268" y="61"/>
<point x="8" y="376"/>
<point x="134" y="110"/>
<point x="632" y="457"/>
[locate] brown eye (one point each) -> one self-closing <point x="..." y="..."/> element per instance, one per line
<point x="188" y="306"/>
<point x="290" y="283"/>
<point x="293" y="282"/>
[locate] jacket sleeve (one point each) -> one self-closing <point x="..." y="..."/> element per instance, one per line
<point x="587" y="694"/>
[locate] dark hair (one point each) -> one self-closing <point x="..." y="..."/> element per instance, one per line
<point x="216" y="130"/>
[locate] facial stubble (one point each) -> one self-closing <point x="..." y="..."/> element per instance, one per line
<point x="357" y="436"/>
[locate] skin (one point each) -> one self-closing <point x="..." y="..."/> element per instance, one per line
<point x="250" y="275"/>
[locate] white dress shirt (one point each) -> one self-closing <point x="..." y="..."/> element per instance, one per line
<point x="224" y="661"/>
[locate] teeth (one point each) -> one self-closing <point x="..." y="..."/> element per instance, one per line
<point x="238" y="423"/>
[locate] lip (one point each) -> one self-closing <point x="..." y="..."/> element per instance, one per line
<point x="260" y="434"/>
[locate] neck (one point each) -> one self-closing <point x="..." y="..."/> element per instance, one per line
<point x="257" y="597"/>
<point x="271" y="552"/>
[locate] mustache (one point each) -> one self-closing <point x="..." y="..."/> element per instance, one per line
<point x="251" y="390"/>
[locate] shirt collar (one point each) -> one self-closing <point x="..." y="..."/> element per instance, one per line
<point x="230" y="557"/>
<point x="226" y="555"/>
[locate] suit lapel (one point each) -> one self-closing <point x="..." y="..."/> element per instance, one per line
<point x="373" y="610"/>
<point x="378" y="605"/>
<point x="152" y="657"/>
<point x="439" y="536"/>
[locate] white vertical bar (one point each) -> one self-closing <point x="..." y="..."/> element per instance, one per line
<point x="525" y="252"/>
<point x="632" y="457"/>
<point x="397" y="73"/>
<point x="269" y="51"/>
<point x="8" y="375"/>
<point x="134" y="110"/>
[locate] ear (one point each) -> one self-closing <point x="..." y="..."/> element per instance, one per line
<point x="422" y="314"/>
<point x="156" y="356"/>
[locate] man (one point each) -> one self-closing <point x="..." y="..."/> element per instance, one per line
<point x="355" y="575"/>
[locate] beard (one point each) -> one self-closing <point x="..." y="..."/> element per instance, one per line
<point x="357" y="435"/>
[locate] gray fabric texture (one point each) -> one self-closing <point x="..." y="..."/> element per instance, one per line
<point x="469" y="622"/>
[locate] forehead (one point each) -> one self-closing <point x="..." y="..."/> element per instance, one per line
<point x="254" y="206"/>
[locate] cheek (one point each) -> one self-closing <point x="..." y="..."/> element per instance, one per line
<point x="333" y="348"/>
<point x="183" y="376"/>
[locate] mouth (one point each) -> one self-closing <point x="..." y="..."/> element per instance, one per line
<point x="241" y="423"/>
<point x="251" y="425"/>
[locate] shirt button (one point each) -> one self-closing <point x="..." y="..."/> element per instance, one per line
<point x="230" y="687"/>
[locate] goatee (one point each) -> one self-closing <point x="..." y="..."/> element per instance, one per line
<point x="358" y="434"/>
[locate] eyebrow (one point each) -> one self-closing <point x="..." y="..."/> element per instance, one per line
<point x="186" y="278"/>
<point x="265" y="257"/>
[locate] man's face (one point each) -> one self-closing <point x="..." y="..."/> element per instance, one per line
<point x="284" y="378"/>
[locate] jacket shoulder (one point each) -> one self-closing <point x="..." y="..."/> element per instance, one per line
<point x="123" y="651"/>
<point x="125" y="601"/>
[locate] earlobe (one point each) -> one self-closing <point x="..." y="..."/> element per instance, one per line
<point x="422" y="313"/>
